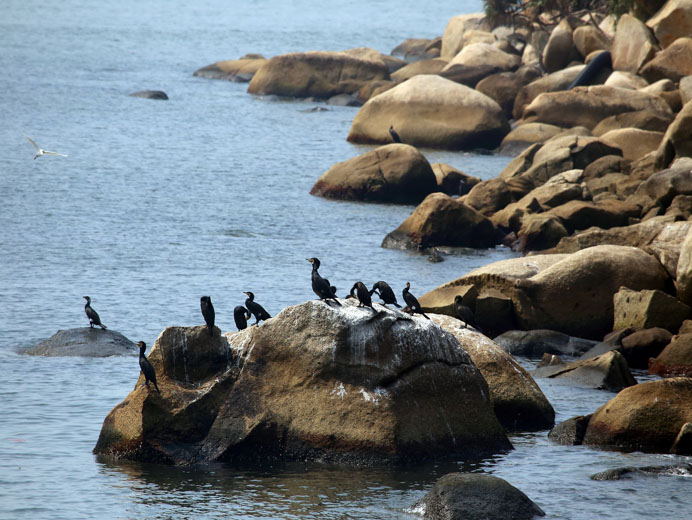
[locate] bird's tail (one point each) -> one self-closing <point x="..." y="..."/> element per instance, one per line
<point x="103" y="326"/>
<point x="396" y="304"/>
<point x="157" y="387"/>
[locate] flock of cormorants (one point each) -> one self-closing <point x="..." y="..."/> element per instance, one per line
<point x="322" y="288"/>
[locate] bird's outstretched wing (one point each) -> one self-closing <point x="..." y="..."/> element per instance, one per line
<point x="54" y="153"/>
<point x="32" y="143"/>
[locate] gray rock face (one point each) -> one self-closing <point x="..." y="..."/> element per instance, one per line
<point x="608" y="371"/>
<point x="85" y="342"/>
<point x="316" y="382"/>
<point x="473" y="496"/>
<point x="535" y="343"/>
<point x="681" y="470"/>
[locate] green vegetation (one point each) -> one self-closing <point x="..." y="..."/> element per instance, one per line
<point x="549" y="12"/>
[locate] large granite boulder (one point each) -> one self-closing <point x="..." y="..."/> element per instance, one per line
<point x="453" y="37"/>
<point x="588" y="38"/>
<point x="675" y="359"/>
<point x="428" y="110"/>
<point x="560" y="49"/>
<point x="635" y="143"/>
<point x="240" y="70"/>
<point x="527" y="134"/>
<point x="84" y="342"/>
<point x="391" y="173"/>
<point x="673" y="63"/>
<point x="588" y="106"/>
<point x="432" y="66"/>
<point x="645" y="417"/>
<point x="677" y="141"/>
<point x="633" y="46"/>
<point x="659" y="189"/>
<point x="537" y="286"/>
<point x="442" y="220"/>
<point x="580" y="214"/>
<point x="554" y="82"/>
<point x="648" y="308"/>
<point x="475" y="496"/>
<point x="643" y="120"/>
<point x="683" y="280"/>
<point x="504" y="86"/>
<point x="673" y="21"/>
<point x="317" y="74"/>
<point x="539" y="342"/>
<point x="608" y="371"/>
<point x="316" y="382"/>
<point x="414" y="49"/>
<point x="485" y="58"/>
<point x="640" y="346"/>
<point x="519" y="403"/>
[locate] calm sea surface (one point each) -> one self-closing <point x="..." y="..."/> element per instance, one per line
<point x="159" y="203"/>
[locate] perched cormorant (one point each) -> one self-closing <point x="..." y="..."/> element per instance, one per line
<point x="412" y="301"/>
<point x="208" y="313"/>
<point x="146" y="366"/>
<point x="241" y="315"/>
<point x="463" y="312"/>
<point x="394" y="134"/>
<point x="385" y="292"/>
<point x="255" y="308"/>
<point x="362" y="294"/>
<point x="321" y="286"/>
<point x="92" y="314"/>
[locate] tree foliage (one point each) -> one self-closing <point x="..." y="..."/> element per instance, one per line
<point x="548" y="12"/>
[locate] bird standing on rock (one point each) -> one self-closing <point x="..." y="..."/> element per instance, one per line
<point x="146" y="366"/>
<point x="92" y="314"/>
<point x="208" y="313"/>
<point x="384" y="291"/>
<point x="255" y="308"/>
<point x="321" y="286"/>
<point x="412" y="301"/>
<point x="241" y="315"/>
<point x="362" y="294"/>
<point x="463" y="312"/>
<point x="394" y="134"/>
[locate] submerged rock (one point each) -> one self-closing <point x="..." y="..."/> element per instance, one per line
<point x="86" y="342"/>
<point x="341" y="384"/>
<point x="536" y="343"/>
<point x="678" y="470"/>
<point x="608" y="371"/>
<point x="150" y="94"/>
<point x="475" y="496"/>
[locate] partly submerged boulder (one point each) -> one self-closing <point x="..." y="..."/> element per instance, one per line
<point x="316" y="382"/>
<point x="150" y="94"/>
<point x="538" y="342"/>
<point x="428" y="110"/>
<point x="240" y="70"/>
<point x="86" y="342"/>
<point x="317" y="74"/>
<point x="608" y="371"/>
<point x="517" y="400"/>
<point x="675" y="359"/>
<point x="392" y="173"/>
<point x="475" y="496"/>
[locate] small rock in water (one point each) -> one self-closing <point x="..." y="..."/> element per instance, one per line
<point x="681" y="470"/>
<point x="315" y="109"/>
<point x="150" y="94"/>
<point x="86" y="342"/>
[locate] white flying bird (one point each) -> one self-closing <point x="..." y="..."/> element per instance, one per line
<point x="40" y="151"/>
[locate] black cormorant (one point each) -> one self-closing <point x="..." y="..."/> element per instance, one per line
<point x="412" y="301"/>
<point x="394" y="134"/>
<point x="321" y="286"/>
<point x="208" y="313"/>
<point x="146" y="366"/>
<point x="255" y="308"/>
<point x="362" y="294"/>
<point x="241" y="315"/>
<point x="92" y="314"/>
<point x="385" y="292"/>
<point x="463" y="312"/>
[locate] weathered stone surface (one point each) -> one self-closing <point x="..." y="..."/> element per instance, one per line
<point x="675" y="359"/>
<point x="634" y="142"/>
<point x="373" y="88"/>
<point x="487" y="197"/>
<point x="240" y="70"/>
<point x="673" y="63"/>
<point x="475" y="496"/>
<point x="539" y="342"/>
<point x="428" y="110"/>
<point x="559" y="80"/>
<point x="391" y="173"/>
<point x="647" y="309"/>
<point x="503" y="88"/>
<point x="432" y="66"/>
<point x="576" y="214"/>
<point x="418" y="48"/>
<point x="442" y="220"/>
<point x="677" y="140"/>
<point x="519" y="403"/>
<point x="683" y="280"/>
<point x="588" y="39"/>
<point x="317" y="74"/>
<point x="633" y="46"/>
<point x="605" y="165"/>
<point x="453" y="37"/>
<point x="588" y="106"/>
<point x="686" y="89"/>
<point x="560" y="49"/>
<point x="637" y="348"/>
<point x="673" y="21"/>
<point x="85" y="342"/>
<point x="646" y="417"/>
<point x="484" y="54"/>
<point x="624" y="79"/>
<point x="540" y="231"/>
<point x="523" y="135"/>
<point x="642" y="120"/>
<point x="313" y="383"/>
<point x="150" y="94"/>
<point x="608" y="371"/>
<point x="570" y="432"/>
<point x="494" y="312"/>
<point x="683" y="445"/>
<point x="452" y="181"/>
